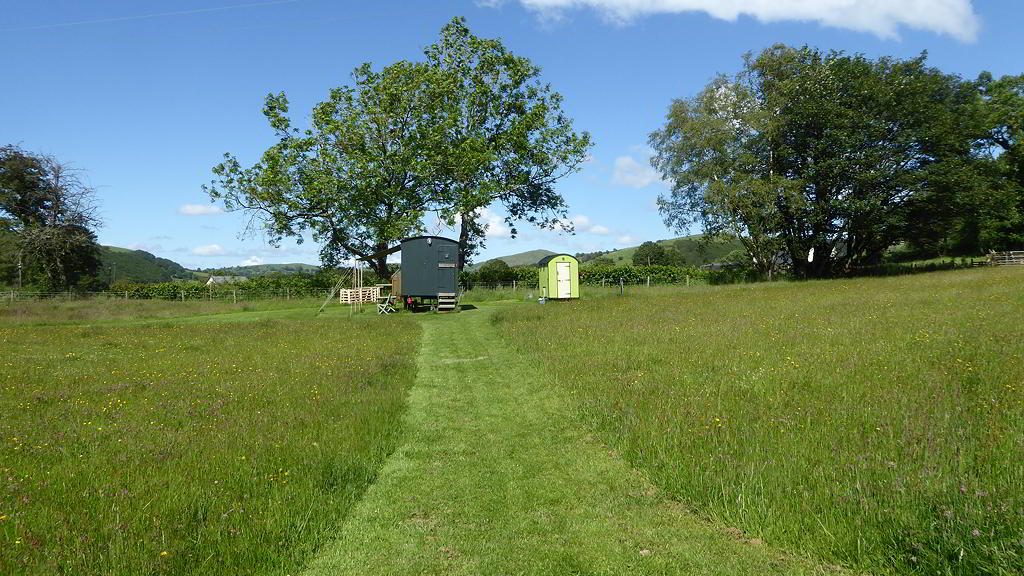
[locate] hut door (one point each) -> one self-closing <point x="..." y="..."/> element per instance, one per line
<point x="563" y="277"/>
<point x="446" y="270"/>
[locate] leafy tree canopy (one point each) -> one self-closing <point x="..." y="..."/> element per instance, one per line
<point x="470" y="126"/>
<point x="504" y="136"/>
<point x="654" y="254"/>
<point x="47" y="217"/>
<point x="1000" y="222"/>
<point x="821" y="155"/>
<point x="356" y="180"/>
<point x="494" y="271"/>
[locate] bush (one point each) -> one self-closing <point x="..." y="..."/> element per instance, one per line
<point x="496" y="271"/>
<point x="294" y="285"/>
<point x="638" y="274"/>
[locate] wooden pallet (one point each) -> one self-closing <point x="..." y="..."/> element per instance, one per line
<point x="356" y="295"/>
<point x="1007" y="258"/>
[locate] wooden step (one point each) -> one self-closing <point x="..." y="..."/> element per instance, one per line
<point x="447" y="302"/>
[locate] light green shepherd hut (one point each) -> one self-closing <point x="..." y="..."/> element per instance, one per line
<point x="559" y="277"/>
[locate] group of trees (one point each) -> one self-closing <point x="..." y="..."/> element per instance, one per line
<point x="470" y="125"/>
<point x="824" y="161"/>
<point x="47" y="223"/>
<point x="588" y="256"/>
<point x="818" y="161"/>
<point x="496" y="271"/>
<point x="654" y="254"/>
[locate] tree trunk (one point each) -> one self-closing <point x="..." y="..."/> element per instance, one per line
<point x="380" y="266"/>
<point x="464" y="230"/>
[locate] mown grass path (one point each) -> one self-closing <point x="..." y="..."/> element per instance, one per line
<point x="497" y="477"/>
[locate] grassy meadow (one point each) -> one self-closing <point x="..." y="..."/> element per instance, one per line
<point x="876" y="423"/>
<point x="189" y="446"/>
<point x="117" y="310"/>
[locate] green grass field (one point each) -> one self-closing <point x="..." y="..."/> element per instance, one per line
<point x="184" y="447"/>
<point x="786" y="428"/>
<point x="876" y="423"/>
<point x="496" y="476"/>
<point x="101" y="311"/>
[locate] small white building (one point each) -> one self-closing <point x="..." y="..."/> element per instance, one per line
<point x="225" y="280"/>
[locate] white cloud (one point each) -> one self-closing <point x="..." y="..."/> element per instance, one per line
<point x="633" y="174"/>
<point x="209" y="250"/>
<point x="251" y="261"/>
<point x="582" y="223"/>
<point x="145" y="246"/>
<point x="625" y="239"/>
<point x="883" y="18"/>
<point x="494" y="225"/>
<point x="199" y="209"/>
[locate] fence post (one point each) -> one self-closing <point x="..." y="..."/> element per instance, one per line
<point x="648" y="281"/>
<point x="513" y="285"/>
<point x="620" y="287"/>
<point x="234" y="296"/>
<point x="287" y="294"/>
<point x="182" y="295"/>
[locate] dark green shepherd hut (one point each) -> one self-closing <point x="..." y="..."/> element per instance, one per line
<point x="429" y="272"/>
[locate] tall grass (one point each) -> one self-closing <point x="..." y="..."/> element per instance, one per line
<point x="184" y="448"/>
<point x="493" y="294"/>
<point x="59" y="311"/>
<point x="878" y="423"/>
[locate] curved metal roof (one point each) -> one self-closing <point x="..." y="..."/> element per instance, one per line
<point x="404" y="240"/>
<point x="544" y="261"/>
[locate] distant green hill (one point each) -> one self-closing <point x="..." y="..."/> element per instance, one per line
<point x="521" y="259"/>
<point x="689" y="246"/>
<point x="124" y="265"/>
<point x="257" y="270"/>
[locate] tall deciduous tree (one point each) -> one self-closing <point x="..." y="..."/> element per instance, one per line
<point x="47" y="218"/>
<point x="709" y="150"/>
<point x="1002" y="226"/>
<point x="503" y="136"/>
<point x="470" y="126"/>
<point x="821" y="154"/>
<point x="356" y="180"/>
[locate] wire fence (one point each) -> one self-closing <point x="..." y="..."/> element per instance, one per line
<point x="484" y="290"/>
<point x="471" y="291"/>
<point x="609" y="283"/>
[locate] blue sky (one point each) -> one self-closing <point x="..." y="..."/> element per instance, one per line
<point x="146" y="96"/>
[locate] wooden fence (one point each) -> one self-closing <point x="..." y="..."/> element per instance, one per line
<point x="1006" y="258"/>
